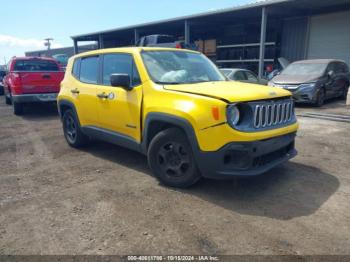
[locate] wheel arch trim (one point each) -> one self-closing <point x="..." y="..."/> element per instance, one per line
<point x="176" y="121"/>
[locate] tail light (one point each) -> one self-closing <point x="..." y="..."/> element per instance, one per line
<point x="16" y="84"/>
<point x="178" y="45"/>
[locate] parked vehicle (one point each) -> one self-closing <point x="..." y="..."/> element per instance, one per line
<point x="31" y="79"/>
<point x="279" y="66"/>
<point x="314" y="81"/>
<point x="62" y="60"/>
<point x="164" y="41"/>
<point x="176" y="107"/>
<point x="2" y="75"/>
<point x="242" y="75"/>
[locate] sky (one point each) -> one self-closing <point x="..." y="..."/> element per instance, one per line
<point x="25" y="23"/>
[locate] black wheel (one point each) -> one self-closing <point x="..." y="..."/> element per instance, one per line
<point x="345" y="92"/>
<point x="171" y="159"/>
<point x="17" y="108"/>
<point x="321" y="95"/>
<point x="71" y="129"/>
<point x="8" y="99"/>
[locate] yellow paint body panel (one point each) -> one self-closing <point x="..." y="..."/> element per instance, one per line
<point x="193" y="102"/>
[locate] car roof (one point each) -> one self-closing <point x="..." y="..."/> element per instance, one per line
<point x="133" y="49"/>
<point x="318" y="61"/>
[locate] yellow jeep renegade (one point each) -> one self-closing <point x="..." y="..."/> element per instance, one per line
<point x="177" y="108"/>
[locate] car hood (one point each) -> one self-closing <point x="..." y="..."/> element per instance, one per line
<point x="294" y="79"/>
<point x="230" y="91"/>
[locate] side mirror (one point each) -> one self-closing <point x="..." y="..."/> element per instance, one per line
<point x="331" y="74"/>
<point x="121" y="80"/>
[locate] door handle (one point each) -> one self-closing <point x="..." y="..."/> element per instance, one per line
<point x="109" y="96"/>
<point x="102" y="95"/>
<point x="75" y="91"/>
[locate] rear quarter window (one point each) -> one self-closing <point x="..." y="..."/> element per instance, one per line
<point x="35" y="66"/>
<point x="89" y="70"/>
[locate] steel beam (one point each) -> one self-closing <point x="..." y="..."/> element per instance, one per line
<point x="75" y="44"/>
<point x="262" y="41"/>
<point x="187" y="32"/>
<point x="136" y="35"/>
<point x="100" y="42"/>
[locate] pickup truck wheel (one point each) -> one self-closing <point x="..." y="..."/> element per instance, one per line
<point x="171" y="159"/>
<point x="72" y="133"/>
<point x="17" y="108"/>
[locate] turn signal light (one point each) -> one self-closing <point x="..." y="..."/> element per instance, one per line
<point x="215" y="112"/>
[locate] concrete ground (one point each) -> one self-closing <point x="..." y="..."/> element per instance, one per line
<point x="104" y="200"/>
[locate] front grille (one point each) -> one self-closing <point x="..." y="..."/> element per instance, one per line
<point x="273" y="113"/>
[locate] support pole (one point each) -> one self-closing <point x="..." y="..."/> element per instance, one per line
<point x="187" y="33"/>
<point x="136" y="35"/>
<point x="262" y="41"/>
<point x="76" y="49"/>
<point x="100" y="42"/>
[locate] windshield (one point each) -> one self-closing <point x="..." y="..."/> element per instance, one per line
<point x="179" y="67"/>
<point x="304" y="69"/>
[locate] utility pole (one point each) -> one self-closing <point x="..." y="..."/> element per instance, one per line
<point x="48" y="43"/>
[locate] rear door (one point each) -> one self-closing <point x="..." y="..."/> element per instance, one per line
<point x="38" y="75"/>
<point x="84" y="89"/>
<point x="120" y="112"/>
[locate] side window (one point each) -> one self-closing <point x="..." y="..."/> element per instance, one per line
<point x="75" y="70"/>
<point x="343" y="68"/>
<point x="251" y="78"/>
<point x="338" y="68"/>
<point x="331" y="67"/>
<point x="120" y="64"/>
<point x="89" y="70"/>
<point x="239" y="76"/>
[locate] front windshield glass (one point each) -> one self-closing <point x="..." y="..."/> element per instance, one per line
<point x="180" y="67"/>
<point x="304" y="69"/>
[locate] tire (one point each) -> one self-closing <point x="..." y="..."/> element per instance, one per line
<point x="345" y="93"/>
<point x="17" y="108"/>
<point x="71" y="129"/>
<point x="171" y="159"/>
<point x="8" y="100"/>
<point x="321" y="95"/>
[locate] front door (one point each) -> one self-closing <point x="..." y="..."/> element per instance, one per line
<point x="119" y="110"/>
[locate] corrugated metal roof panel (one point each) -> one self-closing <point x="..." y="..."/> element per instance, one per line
<point x="215" y="12"/>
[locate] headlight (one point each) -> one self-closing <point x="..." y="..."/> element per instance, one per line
<point x="307" y="87"/>
<point x="233" y="115"/>
<point x="270" y="83"/>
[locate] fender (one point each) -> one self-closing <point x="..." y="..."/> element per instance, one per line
<point x="183" y="123"/>
<point x="69" y="104"/>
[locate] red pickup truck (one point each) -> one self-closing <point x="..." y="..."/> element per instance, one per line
<point x="31" y="79"/>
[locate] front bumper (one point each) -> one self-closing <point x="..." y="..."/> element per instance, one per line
<point x="247" y="158"/>
<point x="30" y="98"/>
<point x="301" y="96"/>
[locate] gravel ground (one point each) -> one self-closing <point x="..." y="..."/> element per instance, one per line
<point x="104" y="200"/>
